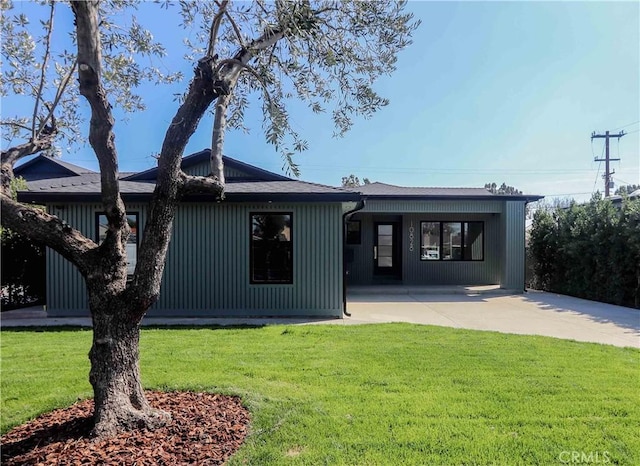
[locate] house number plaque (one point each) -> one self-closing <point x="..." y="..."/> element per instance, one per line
<point x="411" y="230"/>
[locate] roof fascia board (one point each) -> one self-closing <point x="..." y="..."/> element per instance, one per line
<point x="48" y="198"/>
<point x="419" y="197"/>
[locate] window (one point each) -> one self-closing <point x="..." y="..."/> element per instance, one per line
<point x="271" y="248"/>
<point x="452" y="241"/>
<point x="430" y="241"/>
<point x="102" y="226"/>
<point x="353" y="232"/>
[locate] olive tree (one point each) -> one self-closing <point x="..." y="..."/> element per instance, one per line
<point x="325" y="53"/>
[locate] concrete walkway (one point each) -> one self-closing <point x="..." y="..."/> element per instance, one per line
<point x="532" y="313"/>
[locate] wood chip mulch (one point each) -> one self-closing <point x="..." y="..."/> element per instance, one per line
<point x="206" y="429"/>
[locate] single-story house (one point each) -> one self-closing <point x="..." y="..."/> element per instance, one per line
<point x="282" y="247"/>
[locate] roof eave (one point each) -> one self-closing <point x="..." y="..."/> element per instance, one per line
<point x="444" y="197"/>
<point x="49" y="198"/>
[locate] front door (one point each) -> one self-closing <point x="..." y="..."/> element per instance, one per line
<point x="386" y="250"/>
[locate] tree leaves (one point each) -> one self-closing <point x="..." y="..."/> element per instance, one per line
<point x="591" y="250"/>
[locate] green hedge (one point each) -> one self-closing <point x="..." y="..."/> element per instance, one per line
<point x="588" y="250"/>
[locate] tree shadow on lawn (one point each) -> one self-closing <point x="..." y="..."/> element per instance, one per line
<point x="73" y="328"/>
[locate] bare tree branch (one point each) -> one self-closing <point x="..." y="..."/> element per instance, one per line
<point x="236" y="29"/>
<point x="101" y="136"/>
<point x="13" y="123"/>
<point x="59" y="93"/>
<point x="200" y="185"/>
<point x="217" y="137"/>
<point x="50" y="231"/>
<point x="145" y="286"/>
<point x="43" y="69"/>
<point x="215" y="26"/>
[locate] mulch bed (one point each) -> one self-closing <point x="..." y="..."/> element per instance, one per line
<point x="206" y="429"/>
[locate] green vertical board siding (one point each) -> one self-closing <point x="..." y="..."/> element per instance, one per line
<point x="392" y="206"/>
<point x="418" y="272"/>
<point x="513" y="255"/>
<point x="66" y="290"/>
<point x="207" y="270"/>
<point x="204" y="169"/>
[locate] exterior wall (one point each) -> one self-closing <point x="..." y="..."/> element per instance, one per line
<point x="513" y="254"/>
<point x="66" y="291"/>
<point x="441" y="206"/>
<point x="503" y="262"/>
<point x="204" y="169"/>
<point x="207" y="270"/>
<point x="418" y="272"/>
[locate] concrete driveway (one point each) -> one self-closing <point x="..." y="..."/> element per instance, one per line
<point x="532" y="313"/>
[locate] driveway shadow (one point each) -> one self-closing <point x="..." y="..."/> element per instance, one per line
<point x="417" y="297"/>
<point x="603" y="313"/>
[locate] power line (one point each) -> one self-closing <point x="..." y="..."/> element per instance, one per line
<point x="599" y="166"/>
<point x="630" y="124"/>
<point x="607" y="173"/>
<point x="450" y="170"/>
<point x="565" y="194"/>
<point x="596" y="180"/>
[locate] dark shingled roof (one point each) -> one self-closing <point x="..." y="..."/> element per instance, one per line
<point x="85" y="187"/>
<point x="72" y="183"/>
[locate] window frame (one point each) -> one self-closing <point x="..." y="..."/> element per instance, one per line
<point x="463" y="245"/>
<point x="359" y="241"/>
<point x="135" y="214"/>
<point x="252" y="259"/>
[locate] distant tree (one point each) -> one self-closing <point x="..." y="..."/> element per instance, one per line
<point x="353" y="181"/>
<point x="502" y="189"/>
<point x="627" y="189"/>
<point x="325" y="53"/>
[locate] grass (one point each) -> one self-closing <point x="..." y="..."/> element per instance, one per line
<point x="374" y="394"/>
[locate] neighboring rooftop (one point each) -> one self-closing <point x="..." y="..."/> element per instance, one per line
<point x="384" y="190"/>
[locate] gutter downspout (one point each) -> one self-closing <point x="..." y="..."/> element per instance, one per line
<point x="345" y="217"/>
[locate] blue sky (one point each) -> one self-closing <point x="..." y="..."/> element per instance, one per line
<point x="489" y="91"/>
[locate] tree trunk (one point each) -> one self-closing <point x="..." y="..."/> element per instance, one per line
<point x="120" y="404"/>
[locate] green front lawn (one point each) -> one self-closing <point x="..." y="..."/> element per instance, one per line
<point x="369" y="394"/>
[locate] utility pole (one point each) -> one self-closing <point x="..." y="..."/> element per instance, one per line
<point x="607" y="174"/>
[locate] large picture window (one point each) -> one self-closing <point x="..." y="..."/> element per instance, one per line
<point x="271" y="248"/>
<point x="102" y="226"/>
<point x="452" y="241"/>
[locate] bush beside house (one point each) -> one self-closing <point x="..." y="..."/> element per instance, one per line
<point x="591" y="251"/>
<point x="23" y="272"/>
